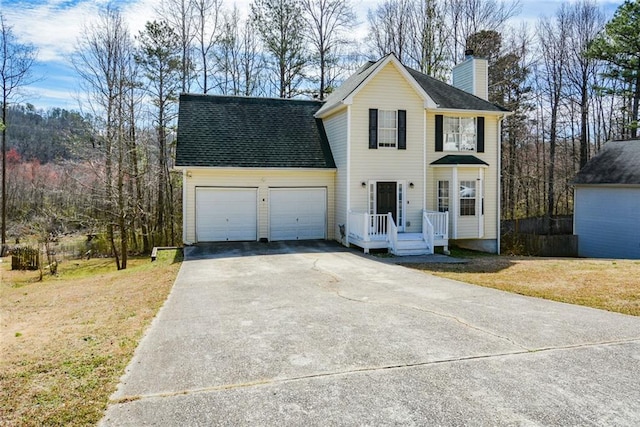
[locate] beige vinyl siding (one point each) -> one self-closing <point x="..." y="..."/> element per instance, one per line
<point x="388" y="90"/>
<point x="336" y="129"/>
<point x="262" y="179"/>
<point x="481" y="79"/>
<point x="490" y="156"/>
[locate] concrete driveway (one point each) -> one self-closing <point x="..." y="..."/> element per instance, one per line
<point x="313" y="334"/>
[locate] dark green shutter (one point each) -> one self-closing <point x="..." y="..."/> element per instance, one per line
<point x="402" y="129"/>
<point x="439" y="135"/>
<point x="480" y="134"/>
<point x="373" y="128"/>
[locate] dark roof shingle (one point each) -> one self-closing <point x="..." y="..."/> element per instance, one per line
<point x="447" y="96"/>
<point x="230" y="131"/>
<point x="459" y="159"/>
<point x="617" y="163"/>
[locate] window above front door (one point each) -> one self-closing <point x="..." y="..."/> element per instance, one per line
<point x="387" y="129"/>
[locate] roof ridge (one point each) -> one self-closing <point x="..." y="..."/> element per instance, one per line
<point x="247" y="98"/>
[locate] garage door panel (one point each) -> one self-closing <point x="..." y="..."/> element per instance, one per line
<point x="605" y="220"/>
<point x="297" y="213"/>
<point x="226" y="214"/>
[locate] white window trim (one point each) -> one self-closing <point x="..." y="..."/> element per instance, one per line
<point x="459" y="133"/>
<point x="395" y="130"/>
<point x="401" y="200"/>
<point x="474" y="198"/>
<point x="439" y="197"/>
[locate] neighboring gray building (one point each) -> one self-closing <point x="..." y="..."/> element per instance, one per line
<point x="607" y="203"/>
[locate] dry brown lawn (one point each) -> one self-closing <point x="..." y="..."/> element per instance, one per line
<point x="65" y="341"/>
<point x="612" y="285"/>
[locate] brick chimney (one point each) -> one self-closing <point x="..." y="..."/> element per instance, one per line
<point x="471" y="75"/>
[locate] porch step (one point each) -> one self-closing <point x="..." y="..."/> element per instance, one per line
<point x="411" y="244"/>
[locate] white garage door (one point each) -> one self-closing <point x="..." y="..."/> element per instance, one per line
<point x="297" y="213"/>
<point x="606" y="222"/>
<point x="226" y="214"/>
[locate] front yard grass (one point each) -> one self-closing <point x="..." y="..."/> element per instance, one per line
<point x="65" y="341"/>
<point x="612" y="285"/>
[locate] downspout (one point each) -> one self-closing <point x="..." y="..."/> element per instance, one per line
<point x="346" y="238"/>
<point x="184" y="207"/>
<point x="424" y="161"/>
<point x="499" y="195"/>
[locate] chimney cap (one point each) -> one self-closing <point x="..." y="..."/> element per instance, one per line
<point x="468" y="53"/>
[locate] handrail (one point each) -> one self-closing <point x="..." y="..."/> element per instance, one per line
<point x="393" y="234"/>
<point x="427" y="232"/>
<point x="440" y="222"/>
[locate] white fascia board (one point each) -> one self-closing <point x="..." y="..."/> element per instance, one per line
<point x="236" y="168"/>
<point x="474" y="112"/>
<point x="460" y="165"/>
<point x="337" y="107"/>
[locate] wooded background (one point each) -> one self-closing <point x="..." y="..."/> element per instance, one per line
<point x="572" y="80"/>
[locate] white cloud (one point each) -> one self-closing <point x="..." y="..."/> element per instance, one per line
<point x="53" y="27"/>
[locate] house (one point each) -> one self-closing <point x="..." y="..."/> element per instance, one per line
<point x="392" y="159"/>
<point x="607" y="203"/>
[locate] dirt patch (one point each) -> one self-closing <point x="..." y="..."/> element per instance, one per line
<point x="65" y="341"/>
<point x="606" y="284"/>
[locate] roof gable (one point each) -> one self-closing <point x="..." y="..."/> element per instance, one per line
<point x="617" y="163"/>
<point x="230" y="131"/>
<point x="435" y="93"/>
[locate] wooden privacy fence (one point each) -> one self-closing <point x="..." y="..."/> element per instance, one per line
<point x="538" y="225"/>
<point x="25" y="258"/>
<point x="541" y="245"/>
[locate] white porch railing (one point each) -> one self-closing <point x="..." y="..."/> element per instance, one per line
<point x="427" y="231"/>
<point x="379" y="226"/>
<point x="393" y="235"/>
<point x="440" y="222"/>
<point x="367" y="227"/>
<point x="359" y="225"/>
<point x="380" y="230"/>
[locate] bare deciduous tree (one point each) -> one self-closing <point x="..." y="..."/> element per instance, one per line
<point x="207" y="18"/>
<point x="181" y="15"/>
<point x="280" y="24"/>
<point x="103" y="62"/>
<point x="327" y="22"/>
<point x="16" y="62"/>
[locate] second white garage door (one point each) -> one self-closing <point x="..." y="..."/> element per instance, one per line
<point x="297" y="213"/>
<point x="226" y="214"/>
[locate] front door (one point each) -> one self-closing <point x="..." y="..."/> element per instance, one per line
<point x="387" y="199"/>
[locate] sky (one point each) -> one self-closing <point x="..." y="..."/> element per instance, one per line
<point x="53" y="27"/>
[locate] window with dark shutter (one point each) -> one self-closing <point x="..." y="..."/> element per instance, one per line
<point x="402" y="129"/>
<point x="373" y="128"/>
<point x="439" y="135"/>
<point x="480" y="135"/>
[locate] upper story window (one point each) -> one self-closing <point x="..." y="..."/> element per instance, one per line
<point x="459" y="133"/>
<point x="387" y="128"/>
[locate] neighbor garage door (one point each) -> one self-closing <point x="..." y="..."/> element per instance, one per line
<point x="226" y="214"/>
<point x="297" y="213"/>
<point x="606" y="222"/>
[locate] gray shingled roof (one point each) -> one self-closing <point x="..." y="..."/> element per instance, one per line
<point x="229" y="131"/>
<point x="459" y="159"/>
<point x="447" y="96"/>
<point x="443" y="94"/>
<point x="349" y="85"/>
<point x="617" y="163"/>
